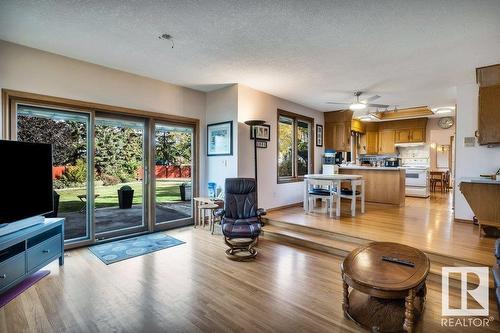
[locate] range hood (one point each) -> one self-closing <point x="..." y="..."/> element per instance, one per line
<point x="410" y="144"/>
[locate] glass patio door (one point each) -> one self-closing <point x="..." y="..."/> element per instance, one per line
<point x="68" y="132"/>
<point x="119" y="184"/>
<point x="173" y="175"/>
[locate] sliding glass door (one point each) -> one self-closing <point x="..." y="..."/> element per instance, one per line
<point x="68" y="132"/>
<point x="119" y="189"/>
<point x="113" y="175"/>
<point x="173" y="169"/>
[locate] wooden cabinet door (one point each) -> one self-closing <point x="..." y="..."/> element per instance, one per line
<point x="417" y="135"/>
<point x="339" y="137"/>
<point x="329" y="135"/>
<point x="372" y="143"/>
<point x="403" y="135"/>
<point x="489" y="115"/>
<point x="386" y="142"/>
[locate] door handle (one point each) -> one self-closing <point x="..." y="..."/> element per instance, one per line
<point x="3" y="276"/>
<point x="46" y="251"/>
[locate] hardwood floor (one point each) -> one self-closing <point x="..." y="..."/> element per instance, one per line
<point x="194" y="287"/>
<point x="426" y="224"/>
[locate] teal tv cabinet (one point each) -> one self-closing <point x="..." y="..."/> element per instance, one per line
<point x="27" y="250"/>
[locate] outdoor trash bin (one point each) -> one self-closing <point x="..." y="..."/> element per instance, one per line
<point x="185" y="192"/>
<point x="125" y="197"/>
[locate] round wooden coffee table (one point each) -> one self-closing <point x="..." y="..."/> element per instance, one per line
<point x="385" y="296"/>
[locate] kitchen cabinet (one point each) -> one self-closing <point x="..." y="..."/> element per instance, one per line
<point x="338" y="130"/>
<point x="410" y="135"/>
<point x="402" y="136"/>
<point x="371" y="142"/>
<point x="489" y="115"/>
<point x="386" y="142"/>
<point x="336" y="136"/>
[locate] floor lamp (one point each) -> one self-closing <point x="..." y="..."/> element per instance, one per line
<point x="253" y="124"/>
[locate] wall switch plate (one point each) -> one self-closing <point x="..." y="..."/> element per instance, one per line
<point x="469" y="141"/>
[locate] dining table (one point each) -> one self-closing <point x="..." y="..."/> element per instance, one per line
<point x="333" y="180"/>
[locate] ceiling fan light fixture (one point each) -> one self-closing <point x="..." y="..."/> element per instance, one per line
<point x="357" y="106"/>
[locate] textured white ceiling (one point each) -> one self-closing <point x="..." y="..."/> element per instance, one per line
<point x="409" y="52"/>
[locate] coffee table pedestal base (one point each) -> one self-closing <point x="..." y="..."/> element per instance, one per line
<point x="380" y="315"/>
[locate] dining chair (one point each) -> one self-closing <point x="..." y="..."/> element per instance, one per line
<point x="324" y="190"/>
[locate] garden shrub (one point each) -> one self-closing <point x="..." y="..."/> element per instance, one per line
<point x="75" y="175"/>
<point x="108" y="180"/>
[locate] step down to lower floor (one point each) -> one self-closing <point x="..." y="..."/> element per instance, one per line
<point x="341" y="245"/>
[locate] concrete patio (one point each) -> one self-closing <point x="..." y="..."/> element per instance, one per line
<point x="114" y="218"/>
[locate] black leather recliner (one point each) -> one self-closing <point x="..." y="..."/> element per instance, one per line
<point x="240" y="218"/>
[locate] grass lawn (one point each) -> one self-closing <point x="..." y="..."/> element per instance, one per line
<point x="166" y="191"/>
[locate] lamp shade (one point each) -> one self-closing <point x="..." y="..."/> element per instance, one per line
<point x="255" y="122"/>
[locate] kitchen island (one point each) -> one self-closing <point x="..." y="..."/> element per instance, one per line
<point x="382" y="184"/>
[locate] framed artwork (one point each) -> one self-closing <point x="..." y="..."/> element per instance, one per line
<point x="220" y="139"/>
<point x="319" y="135"/>
<point x="263" y="132"/>
<point x="261" y="144"/>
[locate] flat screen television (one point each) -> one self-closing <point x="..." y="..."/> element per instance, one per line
<point x="26" y="178"/>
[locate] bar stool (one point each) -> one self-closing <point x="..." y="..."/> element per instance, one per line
<point x="210" y="208"/>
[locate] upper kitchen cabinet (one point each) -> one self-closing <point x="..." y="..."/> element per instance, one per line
<point x="387" y="141"/>
<point x="338" y="130"/>
<point x="488" y="79"/>
<point x="408" y="131"/>
<point x="371" y="142"/>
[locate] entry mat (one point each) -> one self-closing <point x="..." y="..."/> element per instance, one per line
<point x="18" y="289"/>
<point x="128" y="248"/>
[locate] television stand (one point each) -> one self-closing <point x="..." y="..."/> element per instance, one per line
<point x="27" y="250"/>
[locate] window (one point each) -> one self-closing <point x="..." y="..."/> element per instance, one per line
<point x="295" y="149"/>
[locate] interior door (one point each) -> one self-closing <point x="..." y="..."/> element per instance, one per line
<point x="120" y="190"/>
<point x="173" y="175"/>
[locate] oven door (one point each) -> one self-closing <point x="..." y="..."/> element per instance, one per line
<point x="416" y="177"/>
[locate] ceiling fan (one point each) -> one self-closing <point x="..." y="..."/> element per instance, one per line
<point x="361" y="104"/>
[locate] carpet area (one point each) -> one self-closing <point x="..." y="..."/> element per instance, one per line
<point x="133" y="247"/>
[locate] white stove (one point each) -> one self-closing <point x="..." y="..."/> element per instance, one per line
<point x="417" y="181"/>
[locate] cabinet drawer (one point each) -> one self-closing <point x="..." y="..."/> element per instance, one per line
<point x="44" y="251"/>
<point x="12" y="269"/>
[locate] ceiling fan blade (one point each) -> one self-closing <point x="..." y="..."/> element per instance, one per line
<point x="383" y="106"/>
<point x="338" y="103"/>
<point x="370" y="99"/>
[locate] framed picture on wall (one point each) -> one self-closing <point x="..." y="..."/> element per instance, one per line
<point x="319" y="135"/>
<point x="220" y="139"/>
<point x="263" y="132"/>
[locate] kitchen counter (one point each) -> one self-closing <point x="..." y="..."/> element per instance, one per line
<point x="362" y="167"/>
<point x="480" y="180"/>
<point x="483" y="196"/>
<point x="382" y="184"/>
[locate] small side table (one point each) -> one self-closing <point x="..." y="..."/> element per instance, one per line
<point x="210" y="207"/>
<point x="385" y="296"/>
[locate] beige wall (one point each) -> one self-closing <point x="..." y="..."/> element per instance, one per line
<point x="439" y="136"/>
<point x="222" y="106"/>
<point x="470" y="161"/>
<point x="253" y="104"/>
<point x="35" y="71"/>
